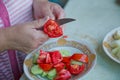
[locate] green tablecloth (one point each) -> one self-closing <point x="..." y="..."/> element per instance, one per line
<point x="94" y="19"/>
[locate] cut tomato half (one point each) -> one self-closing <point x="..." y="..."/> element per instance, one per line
<point x="46" y="67"/>
<point x="52" y="29"/>
<point x="59" y="66"/>
<point x="80" y="57"/>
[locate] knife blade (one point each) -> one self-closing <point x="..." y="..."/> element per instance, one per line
<point x="60" y="22"/>
<point x="64" y="21"/>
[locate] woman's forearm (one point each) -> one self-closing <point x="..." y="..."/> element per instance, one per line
<point x="3" y="40"/>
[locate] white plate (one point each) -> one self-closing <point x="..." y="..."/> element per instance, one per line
<point x="71" y="45"/>
<point x="106" y="44"/>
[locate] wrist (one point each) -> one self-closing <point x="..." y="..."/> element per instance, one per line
<point x="3" y="40"/>
<point x="9" y="38"/>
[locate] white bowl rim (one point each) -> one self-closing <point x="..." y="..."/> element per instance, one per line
<point x="105" y="40"/>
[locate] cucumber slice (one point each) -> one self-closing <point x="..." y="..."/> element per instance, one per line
<point x="115" y="44"/>
<point x="115" y="50"/>
<point x="51" y="74"/>
<point x="36" y="70"/>
<point x="35" y="57"/>
<point x="44" y="74"/>
<point x="65" y="53"/>
<point x="116" y="36"/>
<point x="76" y="62"/>
<point x="49" y="77"/>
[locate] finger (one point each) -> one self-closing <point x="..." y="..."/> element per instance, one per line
<point x="40" y="22"/>
<point x="58" y="12"/>
<point x="50" y="14"/>
<point x="43" y="37"/>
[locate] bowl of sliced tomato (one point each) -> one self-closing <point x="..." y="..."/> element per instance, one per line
<point x="61" y="59"/>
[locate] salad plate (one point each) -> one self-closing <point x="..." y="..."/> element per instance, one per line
<point x="111" y="44"/>
<point x="73" y="46"/>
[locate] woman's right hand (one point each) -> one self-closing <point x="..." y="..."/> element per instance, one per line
<point x="25" y="37"/>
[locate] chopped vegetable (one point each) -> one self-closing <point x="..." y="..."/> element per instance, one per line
<point x="115" y="43"/>
<point x="36" y="69"/>
<point x="76" y="62"/>
<point x="76" y="69"/>
<point x="51" y="74"/>
<point x="116" y="36"/>
<point x="58" y="65"/>
<point x="65" y="53"/>
<point x="63" y="75"/>
<point x="46" y="67"/>
<point x="80" y="57"/>
<point x="52" y="29"/>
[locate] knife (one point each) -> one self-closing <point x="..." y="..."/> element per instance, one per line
<point x="60" y="22"/>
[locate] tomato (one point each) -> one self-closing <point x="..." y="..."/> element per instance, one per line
<point x="80" y="57"/>
<point x="52" y="29"/>
<point x="59" y="66"/>
<point x="56" y="57"/>
<point x="65" y="36"/>
<point x="76" y="69"/>
<point x="48" y="58"/>
<point x="63" y="75"/>
<point x="42" y="57"/>
<point x="66" y="59"/>
<point x="45" y="67"/>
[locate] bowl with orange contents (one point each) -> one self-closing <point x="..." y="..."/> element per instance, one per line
<point x="61" y="59"/>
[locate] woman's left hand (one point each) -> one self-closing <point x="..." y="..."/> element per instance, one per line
<point x="43" y="8"/>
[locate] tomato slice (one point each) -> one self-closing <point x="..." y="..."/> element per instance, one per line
<point x="42" y="57"/>
<point x="46" y="67"/>
<point x="80" y="57"/>
<point x="52" y="29"/>
<point x="59" y="66"/>
<point x="48" y="58"/>
<point x="76" y="69"/>
<point x="66" y="59"/>
<point x="63" y="75"/>
<point x="56" y="57"/>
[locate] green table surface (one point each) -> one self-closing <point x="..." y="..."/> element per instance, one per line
<point x="94" y="19"/>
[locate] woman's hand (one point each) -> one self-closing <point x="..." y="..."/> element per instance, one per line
<point x="43" y="8"/>
<point x="25" y="37"/>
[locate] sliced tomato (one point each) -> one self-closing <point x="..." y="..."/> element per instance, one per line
<point x="46" y="67"/>
<point x="66" y="59"/>
<point x="80" y="57"/>
<point x="63" y="75"/>
<point x="76" y="69"/>
<point x="48" y="58"/>
<point x="56" y="57"/>
<point x="59" y="66"/>
<point x="65" y="36"/>
<point x="52" y="29"/>
<point x="42" y="57"/>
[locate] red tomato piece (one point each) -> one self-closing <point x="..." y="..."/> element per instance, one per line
<point x="46" y="67"/>
<point x="56" y="57"/>
<point x="52" y="29"/>
<point x="42" y="56"/>
<point x="80" y="57"/>
<point x="65" y="36"/>
<point x="48" y="58"/>
<point x="59" y="66"/>
<point x="63" y="75"/>
<point x="76" y="69"/>
<point x="66" y="59"/>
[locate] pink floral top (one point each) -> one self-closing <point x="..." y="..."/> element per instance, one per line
<point x="13" y="12"/>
